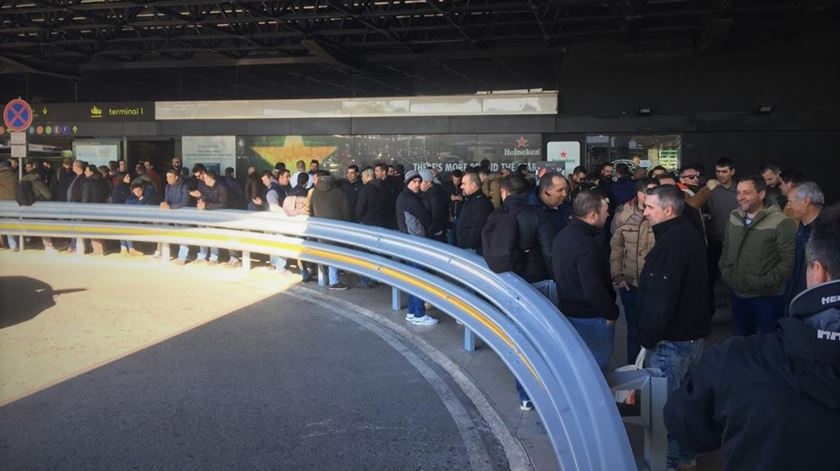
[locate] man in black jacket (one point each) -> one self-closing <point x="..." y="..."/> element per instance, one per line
<point x="351" y="188"/>
<point x="414" y="219"/>
<point x="474" y="212"/>
<point x="585" y="293"/>
<point x="673" y="304"/>
<point x="437" y="202"/>
<point x="773" y="401"/>
<point x="330" y="202"/>
<point x="212" y="195"/>
<point x="528" y="246"/>
<point x="372" y="205"/>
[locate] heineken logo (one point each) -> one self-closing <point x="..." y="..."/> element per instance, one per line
<point x="521" y="149"/>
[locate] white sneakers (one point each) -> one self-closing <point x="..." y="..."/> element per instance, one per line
<point x="424" y="320"/>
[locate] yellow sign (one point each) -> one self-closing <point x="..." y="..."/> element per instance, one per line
<point x="95" y="112"/>
<point x="292" y="150"/>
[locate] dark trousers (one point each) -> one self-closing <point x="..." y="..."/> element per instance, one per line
<point x="628" y="300"/>
<point x="713" y="257"/>
<point x="760" y="311"/>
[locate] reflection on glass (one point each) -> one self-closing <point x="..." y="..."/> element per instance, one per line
<point x="646" y="151"/>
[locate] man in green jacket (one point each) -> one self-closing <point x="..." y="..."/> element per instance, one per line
<point x="757" y="259"/>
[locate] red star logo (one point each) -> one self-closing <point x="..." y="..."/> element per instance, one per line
<point x="521" y="142"/>
<point x="563" y="154"/>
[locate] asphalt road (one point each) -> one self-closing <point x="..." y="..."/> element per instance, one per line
<point x="279" y="384"/>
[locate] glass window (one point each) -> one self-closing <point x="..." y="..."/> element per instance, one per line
<point x="646" y="151"/>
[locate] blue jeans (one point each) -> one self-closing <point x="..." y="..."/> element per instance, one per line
<point x="761" y="311"/>
<point x="628" y="300"/>
<point x="598" y="336"/>
<point x="12" y="242"/>
<point x="214" y="253"/>
<point x="183" y="252"/>
<point x="277" y="262"/>
<point x="126" y="244"/>
<point x="676" y="360"/>
<point x="415" y="306"/>
<point x="332" y="275"/>
<point x="547" y="288"/>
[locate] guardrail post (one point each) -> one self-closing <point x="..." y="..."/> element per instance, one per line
<point x="396" y="299"/>
<point x="656" y="436"/>
<point x="246" y="261"/>
<point x="165" y="252"/>
<point x="80" y="246"/>
<point x="469" y="339"/>
<point x="322" y="277"/>
<point x="22" y="243"/>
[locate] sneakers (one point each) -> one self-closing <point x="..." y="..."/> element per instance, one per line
<point x="339" y="287"/>
<point x="180" y="261"/>
<point x="410" y="317"/>
<point x="135" y="253"/>
<point x="123" y="251"/>
<point x="526" y="405"/>
<point x="425" y="320"/>
<point x="157" y="254"/>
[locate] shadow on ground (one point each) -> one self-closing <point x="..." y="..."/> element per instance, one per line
<point x="22" y="298"/>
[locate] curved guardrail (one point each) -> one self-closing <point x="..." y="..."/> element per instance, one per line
<point x="529" y="334"/>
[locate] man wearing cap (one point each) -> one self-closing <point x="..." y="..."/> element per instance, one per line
<point x="772" y="402"/>
<point x="414" y="219"/>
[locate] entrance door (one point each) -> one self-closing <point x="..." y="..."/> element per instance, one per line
<point x="160" y="152"/>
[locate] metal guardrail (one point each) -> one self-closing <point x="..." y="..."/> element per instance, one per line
<point x="530" y="335"/>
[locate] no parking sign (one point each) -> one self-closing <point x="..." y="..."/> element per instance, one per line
<point x="17" y="115"/>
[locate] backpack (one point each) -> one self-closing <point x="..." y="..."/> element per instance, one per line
<point x="500" y="241"/>
<point x="24" y="193"/>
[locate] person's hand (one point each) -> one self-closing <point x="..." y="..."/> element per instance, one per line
<point x="712" y="184"/>
<point x="623" y="285"/>
<point x="257" y="201"/>
<point x="609" y="322"/>
<point x="164" y="205"/>
<point x="200" y="204"/>
<point x="195" y="194"/>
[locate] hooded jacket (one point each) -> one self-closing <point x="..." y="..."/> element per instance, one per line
<point x="328" y="201"/>
<point x="412" y="217"/>
<point x="94" y="189"/>
<point x="42" y="192"/>
<point x="437" y="202"/>
<point x="773" y="401"/>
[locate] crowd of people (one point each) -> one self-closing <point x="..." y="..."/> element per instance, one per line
<point x="652" y="244"/>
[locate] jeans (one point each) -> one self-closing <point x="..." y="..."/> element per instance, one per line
<point x="598" y="336"/>
<point x="416" y="306"/>
<point x="628" y="300"/>
<point x="366" y="282"/>
<point x="332" y="275"/>
<point x="183" y="252"/>
<point x="277" y="262"/>
<point x="761" y="311"/>
<point x="676" y="360"/>
<point x="12" y="242"/>
<point x="126" y="245"/>
<point x="523" y="396"/>
<point x="547" y="288"/>
<point x="214" y="253"/>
